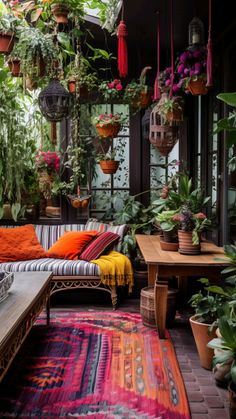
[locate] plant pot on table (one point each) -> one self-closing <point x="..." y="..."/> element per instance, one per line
<point x="186" y="246"/>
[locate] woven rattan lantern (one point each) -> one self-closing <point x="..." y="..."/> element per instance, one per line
<point x="146" y="124"/>
<point x="54" y="101"/>
<point x="163" y="137"/>
<point x="196" y="32"/>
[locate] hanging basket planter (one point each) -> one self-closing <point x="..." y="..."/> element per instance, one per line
<point x="143" y="100"/>
<point x="14" y="67"/>
<point x="197" y="87"/>
<point x="109" y="166"/>
<point x="7" y="40"/>
<point x="78" y="201"/>
<point x="108" y="130"/>
<point x="163" y="137"/>
<point x="175" y="116"/>
<point x="60" y="12"/>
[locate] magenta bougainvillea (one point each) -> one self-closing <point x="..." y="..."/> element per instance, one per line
<point x="191" y="64"/>
<point x="48" y="161"/>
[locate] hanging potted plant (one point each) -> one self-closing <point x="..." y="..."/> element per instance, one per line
<point x="14" y="66"/>
<point x="107" y="161"/>
<point x="139" y="94"/>
<point x="8" y="28"/>
<point x="111" y="90"/>
<point x="171" y="109"/>
<point x="191" y="67"/>
<point x="108" y="126"/>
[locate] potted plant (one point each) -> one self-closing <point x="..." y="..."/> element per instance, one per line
<point x="206" y="304"/>
<point x="108" y="126"/>
<point x="36" y="52"/>
<point x="139" y="94"/>
<point x="191" y="67"/>
<point x="48" y="167"/>
<point x="8" y="27"/>
<point x="169" y="229"/>
<point x="111" y="90"/>
<point x="170" y="109"/>
<point x="107" y="161"/>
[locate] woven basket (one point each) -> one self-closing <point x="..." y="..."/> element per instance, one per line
<point x="147" y="306"/>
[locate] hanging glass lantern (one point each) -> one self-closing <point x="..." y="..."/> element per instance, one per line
<point x="54" y="101"/>
<point x="196" y="32"/>
<point x="146" y="124"/>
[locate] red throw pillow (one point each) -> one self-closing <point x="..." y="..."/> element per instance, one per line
<point x="99" y="245"/>
<point x="71" y="244"/>
<point x="20" y="243"/>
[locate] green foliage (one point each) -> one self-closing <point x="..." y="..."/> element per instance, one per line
<point x="165" y="220"/>
<point x="229" y="123"/>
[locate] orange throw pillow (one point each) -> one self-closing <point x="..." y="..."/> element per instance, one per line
<point x="20" y="243"/>
<point x="71" y="244"/>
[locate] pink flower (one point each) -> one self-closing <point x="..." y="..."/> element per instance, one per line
<point x="116" y="81"/>
<point x="111" y="85"/>
<point x="119" y="86"/>
<point x="180" y="68"/>
<point x="200" y="216"/>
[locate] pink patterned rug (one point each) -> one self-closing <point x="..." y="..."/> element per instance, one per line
<point x="94" y="365"/>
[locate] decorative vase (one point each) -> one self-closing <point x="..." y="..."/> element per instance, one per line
<point x="202" y="338"/>
<point x="108" y="130"/>
<point x="14" y="67"/>
<point x="7" y="40"/>
<point x="109" y="166"/>
<point x="60" y="12"/>
<point x="186" y="246"/>
<point x="197" y="87"/>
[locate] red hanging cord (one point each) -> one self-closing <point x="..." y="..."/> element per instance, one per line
<point x="157" y="91"/>
<point x="171" y="47"/>
<point x="209" y="52"/>
<point x="122" y="47"/>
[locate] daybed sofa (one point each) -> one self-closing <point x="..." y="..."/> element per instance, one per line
<point x="68" y="274"/>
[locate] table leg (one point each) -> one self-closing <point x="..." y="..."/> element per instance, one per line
<point x="152" y="273"/>
<point x="161" y="294"/>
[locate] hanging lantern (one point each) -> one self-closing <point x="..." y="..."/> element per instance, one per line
<point x="163" y="137"/>
<point x="196" y="32"/>
<point x="54" y="101"/>
<point x="146" y="124"/>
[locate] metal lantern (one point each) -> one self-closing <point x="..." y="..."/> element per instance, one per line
<point x="146" y="124"/>
<point x="163" y="137"/>
<point x="196" y="32"/>
<point x="54" y="101"/>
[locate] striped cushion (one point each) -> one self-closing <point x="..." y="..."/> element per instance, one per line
<point x="98" y="246"/>
<point x="101" y="227"/>
<point x="57" y="266"/>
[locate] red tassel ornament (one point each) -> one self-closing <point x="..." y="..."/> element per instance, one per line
<point x="122" y="49"/>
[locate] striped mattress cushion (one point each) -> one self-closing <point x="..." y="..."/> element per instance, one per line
<point x="102" y="227"/>
<point x="57" y="266"/>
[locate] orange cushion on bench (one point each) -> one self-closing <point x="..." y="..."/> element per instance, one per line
<point x="71" y="244"/>
<point x="20" y="243"/>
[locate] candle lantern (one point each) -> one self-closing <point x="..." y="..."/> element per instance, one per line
<point x="54" y="101"/>
<point x="196" y="32"/>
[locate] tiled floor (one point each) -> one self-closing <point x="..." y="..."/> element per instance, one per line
<point x="206" y="400"/>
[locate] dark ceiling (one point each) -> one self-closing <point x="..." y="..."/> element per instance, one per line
<point x="141" y="20"/>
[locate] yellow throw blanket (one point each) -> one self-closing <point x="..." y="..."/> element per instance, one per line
<point x="116" y="269"/>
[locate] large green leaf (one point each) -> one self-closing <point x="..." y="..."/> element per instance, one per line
<point x="229" y="98"/>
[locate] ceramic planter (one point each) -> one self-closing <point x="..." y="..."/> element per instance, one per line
<point x="197" y="87"/>
<point x="202" y="338"/>
<point x="109" y="166"/>
<point x="186" y="246"/>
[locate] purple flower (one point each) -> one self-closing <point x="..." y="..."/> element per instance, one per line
<point x="183" y="57"/>
<point x="186" y="71"/>
<point x="180" y="68"/>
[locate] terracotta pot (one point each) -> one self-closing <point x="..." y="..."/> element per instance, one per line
<point x="186" y="246"/>
<point x="170" y="236"/>
<point x="202" y="338"/>
<point x="72" y="86"/>
<point x="171" y="247"/>
<point x="109" y="166"/>
<point x="14" y="66"/>
<point x="60" y="12"/>
<point x="6" y="42"/>
<point x="143" y="100"/>
<point x="108" y="131"/>
<point x="174" y="116"/>
<point x="197" y="87"/>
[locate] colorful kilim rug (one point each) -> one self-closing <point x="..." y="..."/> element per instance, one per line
<point x="94" y="365"/>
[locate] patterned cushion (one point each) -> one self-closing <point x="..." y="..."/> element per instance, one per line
<point x="101" y="227"/>
<point x="57" y="266"/>
<point x="98" y="246"/>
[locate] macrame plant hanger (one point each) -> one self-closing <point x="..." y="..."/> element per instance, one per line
<point x="209" y="51"/>
<point x="122" y="58"/>
<point x="164" y="136"/>
<point x="157" y="91"/>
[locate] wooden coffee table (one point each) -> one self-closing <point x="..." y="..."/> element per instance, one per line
<point x="28" y="295"/>
<point x="162" y="264"/>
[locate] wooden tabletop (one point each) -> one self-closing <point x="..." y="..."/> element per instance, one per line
<point x="153" y="254"/>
